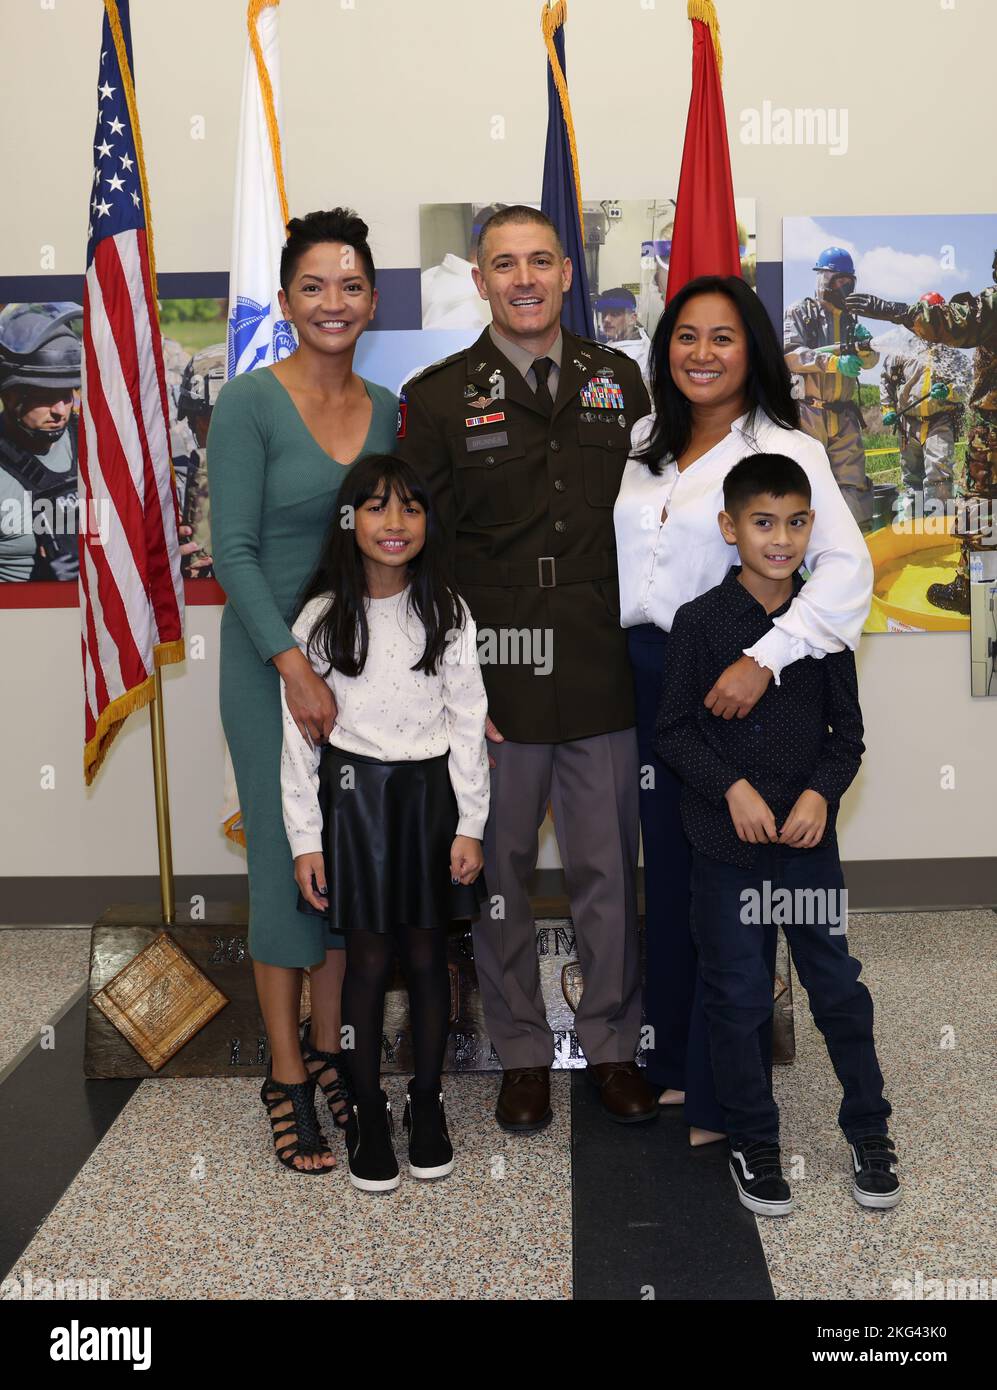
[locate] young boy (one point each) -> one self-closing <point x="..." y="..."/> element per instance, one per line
<point x="758" y="805"/>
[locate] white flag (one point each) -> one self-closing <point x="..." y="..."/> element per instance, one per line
<point x="257" y="333"/>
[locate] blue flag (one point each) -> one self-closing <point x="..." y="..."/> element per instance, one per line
<point x="561" y="196"/>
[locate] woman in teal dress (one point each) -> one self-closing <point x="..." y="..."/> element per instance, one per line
<point x="280" y="442"/>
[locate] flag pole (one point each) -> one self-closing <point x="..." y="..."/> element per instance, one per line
<point x="162" y="794"/>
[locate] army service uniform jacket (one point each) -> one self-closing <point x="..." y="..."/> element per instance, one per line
<point x="526" y="504"/>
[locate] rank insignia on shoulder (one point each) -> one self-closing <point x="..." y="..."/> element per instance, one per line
<point x="492" y="419"/>
<point x="402" y="416"/>
<point x="602" y="393"/>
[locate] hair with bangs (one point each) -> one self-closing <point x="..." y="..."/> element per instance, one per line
<point x="341" y="635"/>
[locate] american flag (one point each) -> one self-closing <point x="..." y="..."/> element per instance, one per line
<point x="131" y="594"/>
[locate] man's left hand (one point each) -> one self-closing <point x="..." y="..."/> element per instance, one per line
<point x="738" y="689"/>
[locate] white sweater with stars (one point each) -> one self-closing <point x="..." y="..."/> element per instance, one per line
<point x="393" y="713"/>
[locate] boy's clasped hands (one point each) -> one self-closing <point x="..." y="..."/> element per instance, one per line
<point x="755" y="823"/>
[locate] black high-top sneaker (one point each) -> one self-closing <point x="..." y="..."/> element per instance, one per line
<point x="874" y="1160"/>
<point x="369" y="1150"/>
<point x="757" y="1172"/>
<point x="430" y="1153"/>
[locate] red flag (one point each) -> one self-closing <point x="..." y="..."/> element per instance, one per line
<point x="131" y="596"/>
<point x="704" y="237"/>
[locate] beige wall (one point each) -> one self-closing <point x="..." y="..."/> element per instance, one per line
<point x="391" y="102"/>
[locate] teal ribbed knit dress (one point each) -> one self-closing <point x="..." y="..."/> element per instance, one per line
<point x="273" y="493"/>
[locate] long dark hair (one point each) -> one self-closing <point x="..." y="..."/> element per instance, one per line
<point x="767" y="388"/>
<point x="341" y="635"/>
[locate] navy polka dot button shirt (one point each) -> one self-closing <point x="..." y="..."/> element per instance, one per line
<point x="806" y="732"/>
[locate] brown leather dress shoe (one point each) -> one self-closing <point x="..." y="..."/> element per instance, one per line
<point x="524" y="1100"/>
<point x="626" y="1096"/>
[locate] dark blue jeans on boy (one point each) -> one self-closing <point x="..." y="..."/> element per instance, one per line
<point x="737" y="986"/>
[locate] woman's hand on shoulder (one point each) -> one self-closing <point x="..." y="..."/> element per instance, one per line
<point x="310" y="702"/>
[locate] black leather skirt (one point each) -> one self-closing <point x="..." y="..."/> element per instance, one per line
<point x="387" y="833"/>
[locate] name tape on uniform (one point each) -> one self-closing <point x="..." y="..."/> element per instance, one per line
<point x="498" y="440"/>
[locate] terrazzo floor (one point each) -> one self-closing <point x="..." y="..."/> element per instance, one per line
<point x="41" y="969"/>
<point x="183" y="1199"/>
<point x="932" y="977"/>
<point x="203" y="1210"/>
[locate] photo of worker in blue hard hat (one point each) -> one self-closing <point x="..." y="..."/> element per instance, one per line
<point x="826" y="349"/>
<point x="616" y="323"/>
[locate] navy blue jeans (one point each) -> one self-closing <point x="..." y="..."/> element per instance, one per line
<point x="673" y="992"/>
<point x="729" y="905"/>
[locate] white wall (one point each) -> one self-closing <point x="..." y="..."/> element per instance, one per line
<point x="389" y="103"/>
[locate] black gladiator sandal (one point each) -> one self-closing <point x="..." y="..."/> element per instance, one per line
<point x="301" y="1122"/>
<point x="336" y="1091"/>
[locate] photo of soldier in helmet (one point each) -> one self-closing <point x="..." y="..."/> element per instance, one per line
<point x="202" y="378"/>
<point x="40" y="357"/>
<point x="826" y="349"/>
<point x="922" y="402"/>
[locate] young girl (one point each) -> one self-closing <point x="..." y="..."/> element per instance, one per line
<point x="385" y="821"/>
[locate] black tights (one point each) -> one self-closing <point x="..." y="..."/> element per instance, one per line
<point x="369" y="959"/>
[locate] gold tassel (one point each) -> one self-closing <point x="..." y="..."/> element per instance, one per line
<point x="551" y="19"/>
<point x="705" y="11"/>
<point x="233" y="830"/>
<point x="164" y="653"/>
<point x="252" y="14"/>
<point x="110" y="722"/>
<point x="112" y="718"/>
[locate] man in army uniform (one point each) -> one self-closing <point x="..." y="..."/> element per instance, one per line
<point x="827" y="348"/>
<point x="40" y="355"/>
<point x="967" y="321"/>
<point x="522" y="439"/>
<point x="918" y="395"/>
<point x="203" y="378"/>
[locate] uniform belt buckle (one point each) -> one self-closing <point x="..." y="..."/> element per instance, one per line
<point x="549" y="560"/>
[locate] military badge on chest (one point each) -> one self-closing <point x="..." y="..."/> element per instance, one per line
<point x="602" y="393"/>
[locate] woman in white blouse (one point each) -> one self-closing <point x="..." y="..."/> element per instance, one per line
<point x="720" y="390"/>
